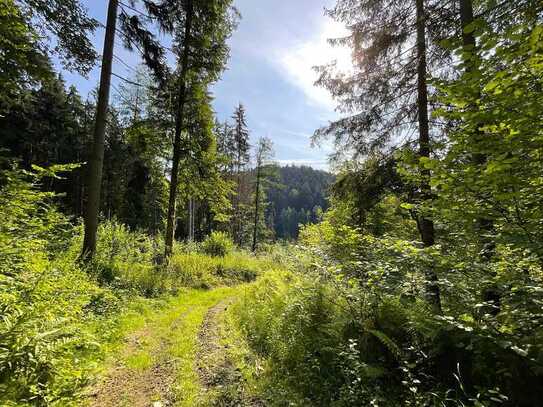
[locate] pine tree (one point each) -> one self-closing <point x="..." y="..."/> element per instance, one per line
<point x="240" y="136"/>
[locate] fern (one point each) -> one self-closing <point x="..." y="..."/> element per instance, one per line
<point x="392" y="347"/>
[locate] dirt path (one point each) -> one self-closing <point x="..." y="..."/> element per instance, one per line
<point x="158" y="365"/>
<point x="212" y="361"/>
<point x="139" y="387"/>
<point x="222" y="382"/>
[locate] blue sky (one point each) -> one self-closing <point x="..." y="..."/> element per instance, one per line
<point x="270" y="71"/>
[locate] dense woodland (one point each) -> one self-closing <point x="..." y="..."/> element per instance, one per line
<point x="151" y="254"/>
<point x="297" y="196"/>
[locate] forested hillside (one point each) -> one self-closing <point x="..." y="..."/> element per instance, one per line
<point x="152" y="254"/>
<point x="299" y="196"/>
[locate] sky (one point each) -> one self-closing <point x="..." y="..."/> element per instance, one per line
<point x="270" y="72"/>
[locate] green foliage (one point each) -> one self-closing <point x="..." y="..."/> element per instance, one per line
<point x="322" y="345"/>
<point x="492" y="167"/>
<point x="57" y="321"/>
<point x="71" y="27"/>
<point x="327" y="338"/>
<point x="360" y="323"/>
<point x="217" y="244"/>
<point x="125" y="260"/>
<point x="200" y="270"/>
<point x="43" y="294"/>
<point x="20" y="62"/>
<point x="298" y="197"/>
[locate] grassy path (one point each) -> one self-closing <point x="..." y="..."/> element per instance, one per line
<point x="157" y="365"/>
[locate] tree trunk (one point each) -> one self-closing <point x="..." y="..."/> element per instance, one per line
<point x="170" y="226"/>
<point x="426" y="226"/>
<point x="96" y="159"/>
<point x="466" y="18"/>
<point x="257" y="203"/>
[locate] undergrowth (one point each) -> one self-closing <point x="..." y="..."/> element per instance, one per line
<point x="61" y="316"/>
<point x="352" y="327"/>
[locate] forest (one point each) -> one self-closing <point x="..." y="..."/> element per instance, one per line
<point x="153" y="253"/>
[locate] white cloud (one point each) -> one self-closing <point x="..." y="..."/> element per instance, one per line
<point x="298" y="60"/>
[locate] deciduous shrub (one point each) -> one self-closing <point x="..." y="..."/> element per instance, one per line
<point x="217" y="244"/>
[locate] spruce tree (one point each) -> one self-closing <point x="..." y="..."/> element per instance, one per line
<point x="200" y="29"/>
<point x="386" y="97"/>
<point x="241" y="150"/>
<point x="264" y="151"/>
<point x="134" y="33"/>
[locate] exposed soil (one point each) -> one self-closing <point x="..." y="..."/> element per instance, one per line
<point x="221" y="381"/>
<point x="150" y="387"/>
<point x="127" y="387"/>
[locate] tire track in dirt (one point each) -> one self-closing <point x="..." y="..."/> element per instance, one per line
<point x="222" y="382"/>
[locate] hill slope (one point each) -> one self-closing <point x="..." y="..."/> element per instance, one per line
<point x="298" y="199"/>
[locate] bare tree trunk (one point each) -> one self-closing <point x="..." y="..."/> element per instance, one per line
<point x="257" y="204"/>
<point x="426" y="226"/>
<point x="170" y="225"/>
<point x="96" y="159"/>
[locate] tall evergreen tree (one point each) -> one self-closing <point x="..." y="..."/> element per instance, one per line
<point x="387" y="93"/>
<point x="153" y="54"/>
<point x="96" y="157"/>
<point x="264" y="151"/>
<point x="424" y="223"/>
<point x="200" y="29"/>
<point x="241" y="158"/>
<point x="240" y="136"/>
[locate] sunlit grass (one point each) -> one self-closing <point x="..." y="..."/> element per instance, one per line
<point x="184" y="345"/>
<point x="139" y="361"/>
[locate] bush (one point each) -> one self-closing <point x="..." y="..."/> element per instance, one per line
<point x="356" y="330"/>
<point x="217" y="244"/>
<point x="125" y="260"/>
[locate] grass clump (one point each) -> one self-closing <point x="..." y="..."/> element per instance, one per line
<point x="198" y="270"/>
